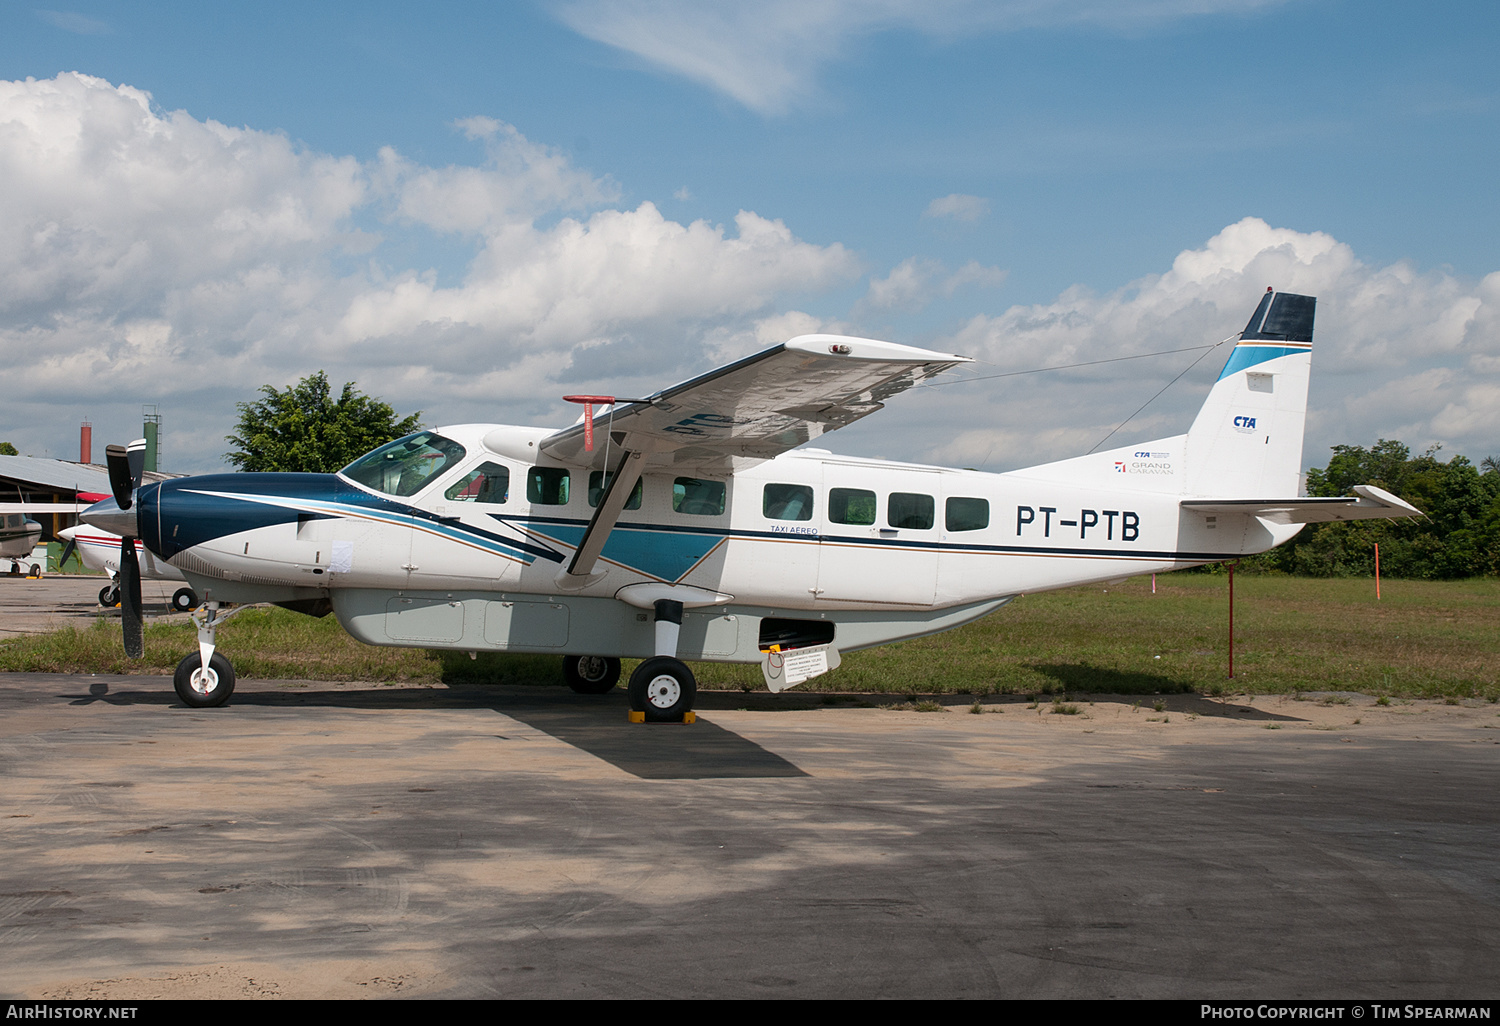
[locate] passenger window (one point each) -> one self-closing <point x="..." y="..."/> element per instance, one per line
<point x="698" y="497"/>
<point x="598" y="481"/>
<point x="853" y="506"/>
<point x="967" y="514"/>
<point x="787" y="502"/>
<point x="547" y="486"/>
<point x="910" y="510"/>
<point x="489" y="483"/>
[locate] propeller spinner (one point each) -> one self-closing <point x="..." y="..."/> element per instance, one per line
<point x="126" y="465"/>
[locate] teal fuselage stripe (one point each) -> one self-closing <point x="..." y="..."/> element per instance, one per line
<point x="665" y="555"/>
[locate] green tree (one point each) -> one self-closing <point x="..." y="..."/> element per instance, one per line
<point x="6" y="449"/>
<point x="1458" y="535"/>
<point x="303" y="429"/>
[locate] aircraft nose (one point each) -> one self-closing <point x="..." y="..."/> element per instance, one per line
<point x="107" y="515"/>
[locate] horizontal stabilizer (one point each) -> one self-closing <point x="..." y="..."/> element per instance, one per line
<point x="1368" y="503"/>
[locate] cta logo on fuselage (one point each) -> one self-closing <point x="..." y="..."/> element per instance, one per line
<point x="1144" y="461"/>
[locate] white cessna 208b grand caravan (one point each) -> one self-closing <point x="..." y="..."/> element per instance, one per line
<point x="688" y="525"/>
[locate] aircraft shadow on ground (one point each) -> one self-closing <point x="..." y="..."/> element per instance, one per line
<point x="1083" y="679"/>
<point x="593" y="724"/>
<point x="1101" y="681"/>
<point x="584" y="716"/>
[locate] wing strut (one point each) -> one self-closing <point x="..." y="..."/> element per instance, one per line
<point x="611" y="503"/>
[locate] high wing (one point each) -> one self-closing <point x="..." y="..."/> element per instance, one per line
<point x="758" y="407"/>
<point x="1368" y="503"/>
<point x="754" y="409"/>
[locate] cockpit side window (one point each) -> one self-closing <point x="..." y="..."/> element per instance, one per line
<point x="405" y="466"/>
<point x="488" y="483"/>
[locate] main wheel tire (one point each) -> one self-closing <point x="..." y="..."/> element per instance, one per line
<point x="184" y="600"/>
<point x="663" y="689"/>
<point x="591" y="675"/>
<point x="109" y="596"/>
<point x="204" y="690"/>
<point x="36" y="570"/>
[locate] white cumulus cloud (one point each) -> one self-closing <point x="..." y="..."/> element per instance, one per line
<point x="154" y="257"/>
<point x="1397" y="353"/>
<point x="912" y="283"/>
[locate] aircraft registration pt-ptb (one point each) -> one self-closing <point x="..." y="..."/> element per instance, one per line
<point x="689" y="525"/>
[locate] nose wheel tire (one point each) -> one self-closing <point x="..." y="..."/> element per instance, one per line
<point x="109" y="596"/>
<point x="591" y="675"/>
<point x="200" y="689"/>
<point x="663" y="689"/>
<point x="185" y="600"/>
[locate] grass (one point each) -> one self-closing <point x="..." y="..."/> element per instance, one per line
<point x="1422" y="640"/>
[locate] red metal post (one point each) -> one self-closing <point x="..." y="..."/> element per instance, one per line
<point x="1231" y="621"/>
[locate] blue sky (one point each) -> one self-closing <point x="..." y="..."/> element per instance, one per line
<point x="1027" y="183"/>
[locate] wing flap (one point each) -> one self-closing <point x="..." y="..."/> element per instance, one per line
<point x="760" y="406"/>
<point x="1368" y="503"/>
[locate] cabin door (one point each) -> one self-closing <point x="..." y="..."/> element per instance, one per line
<point x="879" y="535"/>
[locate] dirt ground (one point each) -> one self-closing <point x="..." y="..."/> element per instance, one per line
<point x="341" y="840"/>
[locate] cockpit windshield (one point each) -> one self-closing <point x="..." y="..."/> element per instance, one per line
<point x="404" y="466"/>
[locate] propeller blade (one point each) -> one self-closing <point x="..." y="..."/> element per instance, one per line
<point x="120" y="478"/>
<point x="67" y="552"/>
<point x="135" y="455"/>
<point x="130" y="600"/>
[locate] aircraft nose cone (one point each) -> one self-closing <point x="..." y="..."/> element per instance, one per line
<point x="107" y="515"/>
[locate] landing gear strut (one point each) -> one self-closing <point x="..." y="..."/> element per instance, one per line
<point x="662" y="688"/>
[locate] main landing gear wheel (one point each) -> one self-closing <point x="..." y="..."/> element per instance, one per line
<point x="663" y="689"/>
<point x="185" y="600"/>
<point x="591" y="675"/>
<point x="109" y="596"/>
<point x="203" y="690"/>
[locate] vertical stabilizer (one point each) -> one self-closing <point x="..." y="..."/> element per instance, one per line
<point x="1247" y="438"/>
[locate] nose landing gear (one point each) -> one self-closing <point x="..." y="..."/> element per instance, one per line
<point x="205" y="678"/>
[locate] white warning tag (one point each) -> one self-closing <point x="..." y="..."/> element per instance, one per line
<point x="787" y="669"/>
